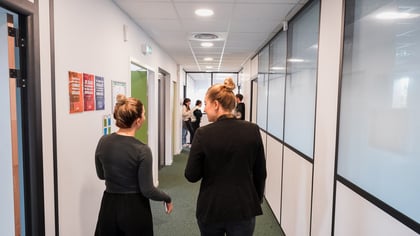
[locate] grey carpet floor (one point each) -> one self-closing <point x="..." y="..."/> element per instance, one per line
<point x="182" y="222"/>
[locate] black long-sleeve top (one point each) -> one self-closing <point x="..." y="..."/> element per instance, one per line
<point x="125" y="164"/>
<point x="240" y="109"/>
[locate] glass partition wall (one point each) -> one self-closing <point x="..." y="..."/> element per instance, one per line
<point x="379" y="127"/>
<point x="286" y="83"/>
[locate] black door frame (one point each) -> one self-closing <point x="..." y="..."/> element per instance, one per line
<point x="31" y="114"/>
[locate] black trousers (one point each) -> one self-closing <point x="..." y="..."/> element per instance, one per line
<point x="234" y="228"/>
<point x="124" y="214"/>
<point x="189" y="126"/>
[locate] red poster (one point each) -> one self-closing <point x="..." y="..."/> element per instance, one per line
<point x="88" y="91"/>
<point x="75" y="92"/>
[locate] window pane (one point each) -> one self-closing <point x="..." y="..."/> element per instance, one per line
<point x="197" y="85"/>
<point x="301" y="80"/>
<point x="379" y="131"/>
<point x="262" y="88"/>
<point x="276" y="80"/>
<point x="219" y="78"/>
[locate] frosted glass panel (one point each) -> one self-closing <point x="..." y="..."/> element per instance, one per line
<point x="379" y="131"/>
<point x="262" y="81"/>
<point x="301" y="80"/>
<point x="276" y="83"/>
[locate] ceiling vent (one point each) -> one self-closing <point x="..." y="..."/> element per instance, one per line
<point x="206" y="36"/>
<point x="199" y="36"/>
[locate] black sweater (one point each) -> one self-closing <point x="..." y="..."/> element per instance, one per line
<point x="125" y="164"/>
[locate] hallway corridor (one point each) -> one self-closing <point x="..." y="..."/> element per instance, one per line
<point x="182" y="220"/>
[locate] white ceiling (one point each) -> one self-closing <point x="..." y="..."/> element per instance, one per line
<point x="245" y="26"/>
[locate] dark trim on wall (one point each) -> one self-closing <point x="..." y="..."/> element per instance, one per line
<point x="412" y="224"/>
<point x="54" y="118"/>
<point x="304" y="156"/>
<point x="34" y="120"/>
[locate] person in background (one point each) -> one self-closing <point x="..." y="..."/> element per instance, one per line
<point x="240" y="107"/>
<point x="186" y="122"/>
<point x="228" y="157"/>
<point x="197" y="114"/>
<point x="125" y="164"/>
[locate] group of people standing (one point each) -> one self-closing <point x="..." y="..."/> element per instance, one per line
<point x="191" y="119"/>
<point x="227" y="156"/>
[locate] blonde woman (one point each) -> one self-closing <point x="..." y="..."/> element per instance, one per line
<point x="227" y="155"/>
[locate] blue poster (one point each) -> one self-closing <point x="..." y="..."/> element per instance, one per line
<point x="99" y="92"/>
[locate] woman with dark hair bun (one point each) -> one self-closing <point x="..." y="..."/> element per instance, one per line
<point x="125" y="163"/>
<point x="228" y="157"/>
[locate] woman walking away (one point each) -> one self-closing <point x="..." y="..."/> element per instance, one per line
<point x="125" y="164"/>
<point x="228" y="157"/>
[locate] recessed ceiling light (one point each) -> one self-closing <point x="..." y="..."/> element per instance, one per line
<point x="295" y="60"/>
<point x="208" y="59"/>
<point x="209" y="67"/>
<point x="204" y="12"/>
<point x="396" y="15"/>
<point x="206" y="44"/>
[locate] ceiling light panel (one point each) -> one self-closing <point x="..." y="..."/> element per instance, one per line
<point x="186" y="9"/>
<point x="204" y="12"/>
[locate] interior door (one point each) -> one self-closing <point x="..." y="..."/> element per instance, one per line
<point x="11" y="171"/>
<point x="161" y="120"/>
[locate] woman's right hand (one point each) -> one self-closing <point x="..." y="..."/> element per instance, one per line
<point x="168" y="207"/>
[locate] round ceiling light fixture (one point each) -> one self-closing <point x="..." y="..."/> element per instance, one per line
<point x="206" y="44"/>
<point x="204" y="12"/>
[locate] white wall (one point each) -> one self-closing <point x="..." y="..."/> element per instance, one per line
<point x="89" y="38"/>
<point x="357" y="216"/>
<point x="296" y="198"/>
<point x="274" y="158"/>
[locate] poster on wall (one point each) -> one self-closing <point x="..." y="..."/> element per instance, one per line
<point x="99" y="93"/>
<point x="117" y="88"/>
<point x="106" y="123"/>
<point x="88" y="92"/>
<point x="75" y="92"/>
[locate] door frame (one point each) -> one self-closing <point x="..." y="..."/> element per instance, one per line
<point x="31" y="115"/>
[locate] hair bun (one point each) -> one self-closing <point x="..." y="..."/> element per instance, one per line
<point x="121" y="99"/>
<point x="229" y="84"/>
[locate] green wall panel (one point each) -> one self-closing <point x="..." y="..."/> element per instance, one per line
<point x="139" y="91"/>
